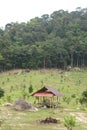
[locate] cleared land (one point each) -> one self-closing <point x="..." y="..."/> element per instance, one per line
<point x="70" y="84"/>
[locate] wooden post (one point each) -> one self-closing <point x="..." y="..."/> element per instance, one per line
<point x="38" y="100"/>
<point x="50" y="102"/>
<point x="57" y="99"/>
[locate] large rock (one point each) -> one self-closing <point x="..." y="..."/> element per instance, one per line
<point x="21" y="105"/>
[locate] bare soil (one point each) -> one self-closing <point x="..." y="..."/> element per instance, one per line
<point x="82" y="117"/>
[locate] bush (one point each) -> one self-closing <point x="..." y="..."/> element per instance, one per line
<point x="69" y="122"/>
<point x="30" y="89"/>
<point x="1" y="92"/>
<point x="83" y="99"/>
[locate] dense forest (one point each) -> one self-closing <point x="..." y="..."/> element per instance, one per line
<point x="51" y="41"/>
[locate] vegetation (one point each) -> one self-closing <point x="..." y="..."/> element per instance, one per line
<point x="17" y="83"/>
<point x="1" y="92"/>
<point x="83" y="99"/>
<point x="51" y="41"/>
<point x="69" y="122"/>
<point x="71" y="84"/>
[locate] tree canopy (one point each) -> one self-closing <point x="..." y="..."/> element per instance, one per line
<point x="51" y="41"/>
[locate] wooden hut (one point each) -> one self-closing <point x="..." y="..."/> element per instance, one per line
<point x="50" y="93"/>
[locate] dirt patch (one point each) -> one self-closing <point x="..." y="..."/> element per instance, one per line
<point x="82" y="117"/>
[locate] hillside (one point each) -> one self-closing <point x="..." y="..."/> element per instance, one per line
<point x="51" y="41"/>
<point x="71" y="84"/>
<point x="16" y="84"/>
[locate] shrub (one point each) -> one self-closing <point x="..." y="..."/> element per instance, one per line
<point x="1" y="92"/>
<point x="83" y="99"/>
<point x="69" y="122"/>
<point x="30" y="89"/>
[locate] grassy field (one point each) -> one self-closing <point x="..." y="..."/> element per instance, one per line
<point x="70" y="84"/>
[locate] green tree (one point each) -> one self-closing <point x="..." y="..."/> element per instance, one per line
<point x="51" y="41"/>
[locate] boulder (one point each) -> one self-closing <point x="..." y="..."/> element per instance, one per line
<point x="21" y="105"/>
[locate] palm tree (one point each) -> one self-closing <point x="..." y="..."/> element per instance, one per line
<point x="69" y="122"/>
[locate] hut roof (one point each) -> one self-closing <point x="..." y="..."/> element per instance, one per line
<point x="47" y="91"/>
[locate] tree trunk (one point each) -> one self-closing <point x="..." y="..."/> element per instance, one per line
<point x="77" y="62"/>
<point x="44" y="62"/>
<point x="71" y="59"/>
<point x="69" y="128"/>
<point x="83" y="61"/>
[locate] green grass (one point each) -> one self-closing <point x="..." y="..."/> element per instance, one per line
<point x="70" y="84"/>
